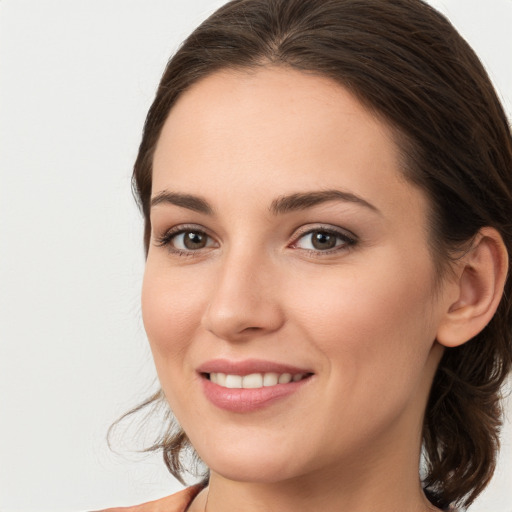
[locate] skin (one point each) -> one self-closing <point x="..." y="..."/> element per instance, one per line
<point x="364" y="317"/>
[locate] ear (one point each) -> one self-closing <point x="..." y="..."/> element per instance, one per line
<point x="481" y="276"/>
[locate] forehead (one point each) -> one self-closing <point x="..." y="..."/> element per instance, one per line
<point x="278" y="130"/>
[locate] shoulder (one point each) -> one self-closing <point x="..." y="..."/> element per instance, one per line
<point x="178" y="502"/>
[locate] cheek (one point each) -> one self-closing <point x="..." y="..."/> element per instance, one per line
<point x="373" y="321"/>
<point x="171" y="310"/>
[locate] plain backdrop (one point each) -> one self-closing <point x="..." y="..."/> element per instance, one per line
<point x="76" y="80"/>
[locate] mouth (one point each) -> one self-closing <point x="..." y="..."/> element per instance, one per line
<point x="250" y="385"/>
<point x="254" y="380"/>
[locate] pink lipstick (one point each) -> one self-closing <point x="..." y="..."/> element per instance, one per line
<point x="244" y="386"/>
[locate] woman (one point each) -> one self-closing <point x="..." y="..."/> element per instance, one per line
<point x="327" y="193"/>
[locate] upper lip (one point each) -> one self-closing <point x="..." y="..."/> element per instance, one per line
<point x="248" y="366"/>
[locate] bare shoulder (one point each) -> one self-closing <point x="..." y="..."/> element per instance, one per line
<point x="178" y="502"/>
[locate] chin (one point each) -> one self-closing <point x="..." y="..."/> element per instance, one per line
<point x="251" y="465"/>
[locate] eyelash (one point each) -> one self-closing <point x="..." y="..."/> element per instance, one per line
<point x="166" y="240"/>
<point x="348" y="240"/>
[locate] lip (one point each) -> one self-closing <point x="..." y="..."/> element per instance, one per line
<point x="248" y="366"/>
<point x="248" y="400"/>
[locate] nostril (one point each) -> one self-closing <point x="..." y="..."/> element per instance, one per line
<point x="235" y="317"/>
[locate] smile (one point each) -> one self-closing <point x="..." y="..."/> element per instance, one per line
<point x="254" y="380"/>
<point x="250" y="385"/>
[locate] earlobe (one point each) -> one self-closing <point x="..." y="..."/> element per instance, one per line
<point x="480" y="281"/>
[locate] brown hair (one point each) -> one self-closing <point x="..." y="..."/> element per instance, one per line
<point x="407" y="64"/>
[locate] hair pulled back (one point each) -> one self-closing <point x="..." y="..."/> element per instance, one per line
<point x="409" y="66"/>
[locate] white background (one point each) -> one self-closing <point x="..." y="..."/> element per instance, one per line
<point x="76" y="79"/>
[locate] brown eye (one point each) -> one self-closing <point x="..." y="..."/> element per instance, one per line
<point x="194" y="240"/>
<point x="323" y="240"/>
<point x="189" y="240"/>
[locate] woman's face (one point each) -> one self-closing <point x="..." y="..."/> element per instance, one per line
<point x="287" y="245"/>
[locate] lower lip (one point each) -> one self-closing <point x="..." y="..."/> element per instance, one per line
<point x="248" y="400"/>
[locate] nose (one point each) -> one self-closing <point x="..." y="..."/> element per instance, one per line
<point x="244" y="301"/>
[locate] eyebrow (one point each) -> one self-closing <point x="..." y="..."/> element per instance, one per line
<point x="304" y="200"/>
<point x="189" y="201"/>
<point x="281" y="205"/>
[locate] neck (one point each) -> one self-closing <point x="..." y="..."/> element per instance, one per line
<point x="365" y="483"/>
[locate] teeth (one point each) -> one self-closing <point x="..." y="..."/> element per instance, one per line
<point x="270" y="379"/>
<point x="285" y="378"/>
<point x="233" y="381"/>
<point x="254" y="380"/>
